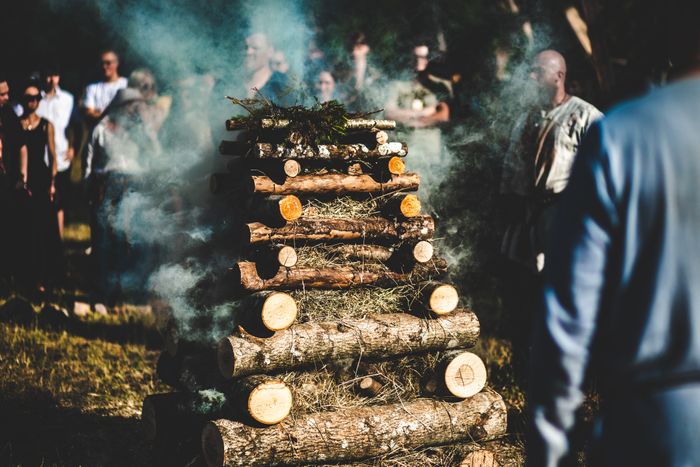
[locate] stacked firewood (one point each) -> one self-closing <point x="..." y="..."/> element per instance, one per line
<point x="346" y="343"/>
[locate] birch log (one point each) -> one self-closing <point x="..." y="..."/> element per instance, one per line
<point x="328" y="184"/>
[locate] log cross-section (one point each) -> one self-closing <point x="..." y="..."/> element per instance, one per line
<point x="369" y="229"/>
<point x="382" y="335"/>
<point x="357" y="433"/>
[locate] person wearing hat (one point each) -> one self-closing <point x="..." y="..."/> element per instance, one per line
<point x="56" y="106"/>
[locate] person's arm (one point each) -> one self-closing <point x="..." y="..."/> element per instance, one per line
<point x="90" y="105"/>
<point x="574" y="295"/>
<point x="441" y="114"/>
<point x="24" y="164"/>
<point x="53" y="162"/>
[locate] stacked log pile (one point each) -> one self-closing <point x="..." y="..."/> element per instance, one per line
<point x="346" y="343"/>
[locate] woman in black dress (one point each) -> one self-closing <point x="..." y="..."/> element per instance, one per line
<point x="44" y="241"/>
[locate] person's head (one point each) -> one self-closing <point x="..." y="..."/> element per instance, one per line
<point x="52" y="77"/>
<point x="4" y="90"/>
<point x="125" y="109"/>
<point x="31" y="98"/>
<point x="278" y="62"/>
<point x="359" y="46"/>
<point x="420" y="57"/>
<point x="549" y="72"/>
<point x="109" y="61"/>
<point x="325" y="86"/>
<point x="257" y="52"/>
<point x="143" y="80"/>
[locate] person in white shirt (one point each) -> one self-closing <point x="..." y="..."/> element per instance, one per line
<point x="57" y="107"/>
<point x="98" y="95"/>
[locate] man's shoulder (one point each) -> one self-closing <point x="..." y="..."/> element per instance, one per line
<point x="583" y="107"/>
<point x="64" y="95"/>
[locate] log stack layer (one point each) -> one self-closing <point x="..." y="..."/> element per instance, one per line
<point x="260" y="373"/>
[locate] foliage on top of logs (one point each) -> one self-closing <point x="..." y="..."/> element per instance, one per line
<point x="322" y="123"/>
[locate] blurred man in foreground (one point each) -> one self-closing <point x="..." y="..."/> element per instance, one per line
<point x="622" y="280"/>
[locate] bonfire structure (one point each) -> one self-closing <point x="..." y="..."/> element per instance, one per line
<point x="346" y="343"/>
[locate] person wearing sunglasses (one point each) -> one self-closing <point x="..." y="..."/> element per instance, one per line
<point x="43" y="238"/>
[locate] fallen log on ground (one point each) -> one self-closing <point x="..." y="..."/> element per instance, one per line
<point x="356" y="433"/>
<point x="246" y="273"/>
<point x="374" y="336"/>
<point x="330" y="184"/>
<point x="365" y="229"/>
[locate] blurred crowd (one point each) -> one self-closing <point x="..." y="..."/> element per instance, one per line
<point x="59" y="153"/>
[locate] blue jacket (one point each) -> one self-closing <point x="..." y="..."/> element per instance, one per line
<point x="622" y="278"/>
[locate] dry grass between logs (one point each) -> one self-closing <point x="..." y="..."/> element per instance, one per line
<point x="325" y="305"/>
<point x="345" y="207"/>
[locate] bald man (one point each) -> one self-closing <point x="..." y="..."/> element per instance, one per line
<point x="536" y="170"/>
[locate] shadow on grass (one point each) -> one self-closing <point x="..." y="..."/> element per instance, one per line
<point x="34" y="430"/>
<point x="118" y="328"/>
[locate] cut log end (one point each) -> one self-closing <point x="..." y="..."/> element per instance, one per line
<point x="396" y="166"/>
<point x="291" y="168"/>
<point x="226" y="358"/>
<point x="480" y="458"/>
<point x="465" y="375"/>
<point x="213" y="445"/>
<point x="290" y="208"/>
<point x="443" y="299"/>
<point x="279" y="311"/>
<point x="287" y="256"/>
<point x="382" y="137"/>
<point x="369" y="386"/>
<point x="410" y="206"/>
<point x="270" y="402"/>
<point x="423" y="251"/>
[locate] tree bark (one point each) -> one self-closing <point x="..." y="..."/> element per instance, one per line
<point x="247" y="275"/>
<point x="330" y="184"/>
<point x="357" y="433"/>
<point x="343" y="152"/>
<point x="384" y="336"/>
<point x="363" y="252"/>
<point x="365" y="229"/>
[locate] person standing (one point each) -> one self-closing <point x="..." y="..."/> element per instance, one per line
<point x="271" y="84"/>
<point x="13" y="186"/>
<point x="98" y="95"/>
<point x="56" y="106"/>
<point x="536" y="170"/>
<point x="43" y="249"/>
<point x="622" y="280"/>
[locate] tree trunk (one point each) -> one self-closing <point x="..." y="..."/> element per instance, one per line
<point x="342" y="152"/>
<point x="369" y="386"/>
<point x="383" y="336"/>
<point x="266" y="400"/>
<point x="342" y="277"/>
<point x="365" y="229"/>
<point x="275" y="210"/>
<point x="268" y="309"/>
<point x="402" y="204"/>
<point x="362" y="252"/>
<point x="356" y="433"/>
<point x="330" y="184"/>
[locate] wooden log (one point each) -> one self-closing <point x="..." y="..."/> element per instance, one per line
<point x="480" y="458"/>
<point x="220" y="183"/>
<point x="366" y="229"/>
<point x="275" y="210"/>
<point x="341" y="152"/>
<point x="359" y="252"/>
<point x="369" y="386"/>
<point x="357" y="433"/>
<point x="410" y="254"/>
<point x="438" y="298"/>
<point x="375" y="336"/>
<point x="402" y="204"/>
<point x="331" y="184"/>
<point x="291" y="168"/>
<point x="272" y="310"/>
<point x="463" y="374"/>
<point x="266" y="400"/>
<point x="167" y="414"/>
<point x="246" y="274"/>
<point x="393" y="165"/>
<point x="277" y="255"/>
<point x="353" y="124"/>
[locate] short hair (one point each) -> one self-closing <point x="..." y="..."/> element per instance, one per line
<point x="109" y="51"/>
